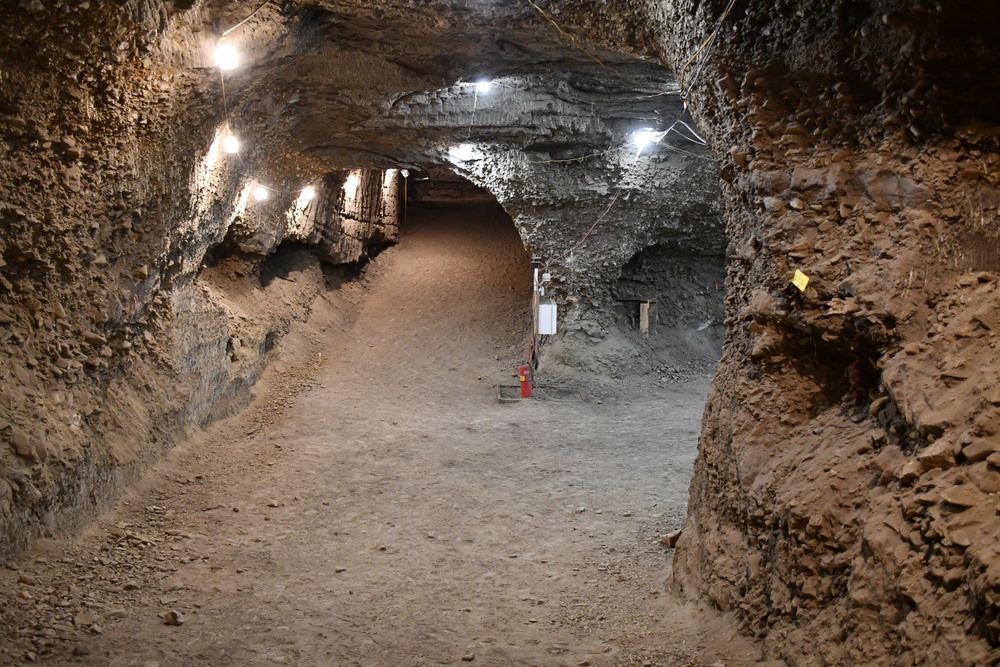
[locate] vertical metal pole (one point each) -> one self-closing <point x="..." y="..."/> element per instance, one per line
<point x="534" y="317"/>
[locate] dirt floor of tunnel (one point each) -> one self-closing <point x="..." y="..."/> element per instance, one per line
<point x="378" y="506"/>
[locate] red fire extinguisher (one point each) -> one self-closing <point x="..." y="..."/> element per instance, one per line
<point x="524" y="373"/>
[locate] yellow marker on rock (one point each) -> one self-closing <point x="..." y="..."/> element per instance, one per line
<point x="800" y="280"/>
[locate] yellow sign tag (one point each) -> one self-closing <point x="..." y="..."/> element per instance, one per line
<point x="800" y="280"/>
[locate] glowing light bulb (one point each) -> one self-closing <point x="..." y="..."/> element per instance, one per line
<point x="230" y="143"/>
<point x="644" y="138"/>
<point x="227" y="57"/>
<point x="260" y="193"/>
<point x="307" y="194"/>
<point x="483" y="87"/>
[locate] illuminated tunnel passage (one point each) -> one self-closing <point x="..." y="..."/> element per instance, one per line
<point x="379" y="503"/>
<point x="207" y="304"/>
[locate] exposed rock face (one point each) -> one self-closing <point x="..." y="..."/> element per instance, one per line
<point x="689" y="314"/>
<point x="359" y="212"/>
<point x="841" y="504"/>
<point x="116" y="333"/>
<point x="844" y="500"/>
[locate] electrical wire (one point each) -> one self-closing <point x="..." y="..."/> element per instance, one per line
<point x="572" y="159"/>
<point x="590" y="231"/>
<point x="707" y="44"/>
<point x="660" y="136"/>
<point x="651" y="96"/>
<point x="698" y="139"/>
<point x="675" y="149"/>
<point x="225" y="103"/>
<point x="252" y="14"/>
<point x="472" y="120"/>
<point x="576" y="44"/>
<point x="694" y="138"/>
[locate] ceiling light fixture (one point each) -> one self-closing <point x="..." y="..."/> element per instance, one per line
<point x="227" y="57"/>
<point x="644" y="138"/>
<point x="260" y="193"/>
<point x="308" y="193"/>
<point x="483" y="87"/>
<point x="230" y="143"/>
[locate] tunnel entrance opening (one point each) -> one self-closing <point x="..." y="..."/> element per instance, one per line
<point x="470" y="272"/>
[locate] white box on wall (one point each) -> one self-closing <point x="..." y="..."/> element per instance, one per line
<point x="546" y="318"/>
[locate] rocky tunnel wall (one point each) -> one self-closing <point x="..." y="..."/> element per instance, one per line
<point x="134" y="304"/>
<point x="843" y="505"/>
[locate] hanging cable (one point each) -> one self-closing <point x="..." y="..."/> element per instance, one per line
<point x="655" y="138"/>
<point x="475" y="103"/>
<point x="695" y="138"/>
<point x="577" y="44"/>
<point x="590" y="231"/>
<point x="675" y="149"/>
<point x="572" y="159"/>
<point x="252" y="14"/>
<point x="705" y="47"/>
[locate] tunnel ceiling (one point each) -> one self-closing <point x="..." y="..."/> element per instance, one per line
<point x="396" y="83"/>
<point x="383" y="85"/>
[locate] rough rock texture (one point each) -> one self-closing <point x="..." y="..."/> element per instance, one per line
<point x="843" y="505"/>
<point x="134" y="248"/>
<point x="116" y="334"/>
<point x="358" y="213"/>
<point x="688" y="321"/>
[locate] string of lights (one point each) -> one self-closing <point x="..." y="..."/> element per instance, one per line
<point x="227" y="58"/>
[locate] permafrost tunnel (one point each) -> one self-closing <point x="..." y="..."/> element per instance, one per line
<point x="814" y="181"/>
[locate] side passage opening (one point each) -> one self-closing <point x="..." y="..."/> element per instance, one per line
<point x="676" y="300"/>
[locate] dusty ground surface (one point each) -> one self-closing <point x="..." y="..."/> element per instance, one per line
<point x="377" y="505"/>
